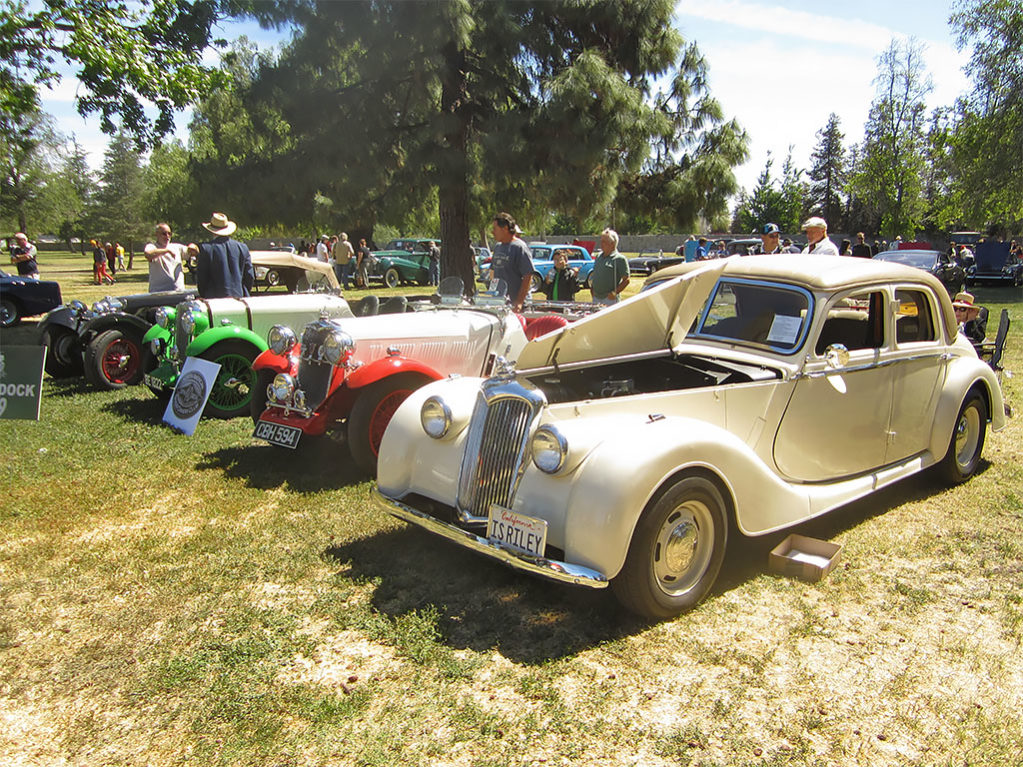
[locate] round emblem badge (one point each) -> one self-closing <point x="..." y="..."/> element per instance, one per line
<point x="189" y="395"/>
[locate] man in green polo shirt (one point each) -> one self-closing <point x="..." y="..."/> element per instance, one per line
<point x="610" y="274"/>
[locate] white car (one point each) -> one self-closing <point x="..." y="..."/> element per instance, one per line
<point x="744" y="393"/>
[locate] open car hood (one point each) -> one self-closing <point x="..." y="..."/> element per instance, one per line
<point x="657" y="318"/>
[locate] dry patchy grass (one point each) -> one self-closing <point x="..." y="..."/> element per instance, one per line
<point x="210" y="600"/>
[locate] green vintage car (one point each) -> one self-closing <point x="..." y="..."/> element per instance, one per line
<point x="404" y="261"/>
<point x="230" y="332"/>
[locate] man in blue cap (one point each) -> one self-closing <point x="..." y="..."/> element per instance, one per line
<point x="770" y="238"/>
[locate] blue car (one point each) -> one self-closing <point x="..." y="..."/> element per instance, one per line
<point x="543" y="261"/>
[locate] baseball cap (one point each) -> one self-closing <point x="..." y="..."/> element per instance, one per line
<point x="770" y="229"/>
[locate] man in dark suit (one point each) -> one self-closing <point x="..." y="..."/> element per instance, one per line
<point x="224" y="266"/>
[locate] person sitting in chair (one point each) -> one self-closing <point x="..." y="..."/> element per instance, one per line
<point x="972" y="319"/>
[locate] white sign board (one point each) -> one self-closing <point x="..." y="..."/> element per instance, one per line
<point x="190" y="394"/>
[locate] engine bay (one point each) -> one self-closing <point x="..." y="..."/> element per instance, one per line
<point x="656" y="374"/>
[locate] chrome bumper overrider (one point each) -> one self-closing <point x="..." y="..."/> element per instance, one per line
<point x="545" y="568"/>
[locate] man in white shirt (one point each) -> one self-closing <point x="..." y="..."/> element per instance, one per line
<point x="322" y="251"/>
<point x="817" y="241"/>
<point x="165" y="260"/>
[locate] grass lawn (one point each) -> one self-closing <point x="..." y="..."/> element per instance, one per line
<point x="211" y="600"/>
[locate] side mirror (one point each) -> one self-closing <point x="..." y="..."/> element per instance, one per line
<point x="836" y="356"/>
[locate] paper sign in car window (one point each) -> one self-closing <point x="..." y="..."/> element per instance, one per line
<point x="784" y="330"/>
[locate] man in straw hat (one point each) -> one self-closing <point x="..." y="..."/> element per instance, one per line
<point x="224" y="266"/>
<point x="972" y="319"/>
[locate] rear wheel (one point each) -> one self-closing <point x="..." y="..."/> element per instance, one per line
<point x="231" y="394"/>
<point x="372" y="412"/>
<point x="967" y="442"/>
<point x="113" y="360"/>
<point x="391" y="278"/>
<point x="63" y="354"/>
<point x="676" y="550"/>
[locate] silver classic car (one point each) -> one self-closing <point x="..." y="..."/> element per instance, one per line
<point x="744" y="394"/>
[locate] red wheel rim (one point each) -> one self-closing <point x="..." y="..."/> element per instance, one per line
<point x="382" y="415"/>
<point x="120" y="361"/>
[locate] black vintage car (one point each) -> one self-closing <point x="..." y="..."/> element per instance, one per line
<point x="646" y="264"/>
<point x="25" y="297"/>
<point x="951" y="274"/>
<point x="103" y="341"/>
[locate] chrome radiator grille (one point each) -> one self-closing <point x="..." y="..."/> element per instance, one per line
<point x="313" y="375"/>
<point x="497" y="445"/>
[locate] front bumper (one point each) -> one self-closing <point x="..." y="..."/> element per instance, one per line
<point x="563" y="572"/>
<point x="313" y="426"/>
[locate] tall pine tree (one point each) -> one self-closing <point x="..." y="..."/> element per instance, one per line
<point x="828" y="174"/>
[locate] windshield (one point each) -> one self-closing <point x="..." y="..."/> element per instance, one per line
<point x="759" y="313"/>
<point x="921" y="259"/>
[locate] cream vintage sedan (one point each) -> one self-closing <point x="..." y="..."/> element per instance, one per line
<point x="746" y="394"/>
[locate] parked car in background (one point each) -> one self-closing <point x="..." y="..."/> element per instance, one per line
<point x="736" y="395"/>
<point x="403" y="261"/>
<point x="230" y="332"/>
<point x="25" y="297"/>
<point x="543" y="261"/>
<point x="349" y="375"/>
<point x="104" y="341"/>
<point x="646" y="264"/>
<point x="297" y="273"/>
<point x="743" y="246"/>
<point x="994" y="264"/>
<point x="949" y="272"/>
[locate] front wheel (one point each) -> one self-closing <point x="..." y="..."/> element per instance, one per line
<point x="371" y="413"/>
<point x="391" y="278"/>
<point x="537" y="281"/>
<point x="63" y="354"/>
<point x="113" y="360"/>
<point x="676" y="550"/>
<point x="967" y="442"/>
<point x="9" y="315"/>
<point x="231" y="393"/>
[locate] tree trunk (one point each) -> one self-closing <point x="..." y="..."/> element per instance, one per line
<point x="453" y="196"/>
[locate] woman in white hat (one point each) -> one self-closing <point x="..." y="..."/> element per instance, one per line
<point x="972" y="319"/>
<point x="224" y="266"/>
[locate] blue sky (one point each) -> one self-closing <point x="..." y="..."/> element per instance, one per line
<point x="779" y="68"/>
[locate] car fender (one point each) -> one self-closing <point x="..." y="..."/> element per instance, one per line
<point x="605" y="492"/>
<point x="154" y="333"/>
<point x="118" y="321"/>
<point x="60" y="316"/>
<point x="370" y="373"/>
<point x="964" y="373"/>
<point x="278" y="363"/>
<point x="215" y="335"/>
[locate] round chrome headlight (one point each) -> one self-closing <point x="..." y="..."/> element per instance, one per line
<point x="336" y="346"/>
<point x="115" y="304"/>
<point x="162" y="318"/>
<point x="282" y="388"/>
<point x="549" y="449"/>
<point x="188" y="322"/>
<point x="300" y="399"/>
<point x="101" y="306"/>
<point x="77" y="307"/>
<point x="156" y="345"/>
<point x="435" y="416"/>
<point x="280" y="339"/>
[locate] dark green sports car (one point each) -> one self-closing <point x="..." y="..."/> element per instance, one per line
<point x="402" y="262"/>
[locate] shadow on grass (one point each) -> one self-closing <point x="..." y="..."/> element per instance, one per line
<point x="144" y="407"/>
<point x="483" y="605"/>
<point x="315" y="466"/>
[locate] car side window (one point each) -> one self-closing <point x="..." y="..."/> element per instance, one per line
<point x="855" y="321"/>
<point x="914" y="319"/>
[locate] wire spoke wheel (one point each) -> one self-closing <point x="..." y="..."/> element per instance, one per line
<point x="231" y="393"/>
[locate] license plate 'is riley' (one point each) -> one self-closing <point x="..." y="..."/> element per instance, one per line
<point x="517" y="531"/>
<point x="277" y="434"/>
